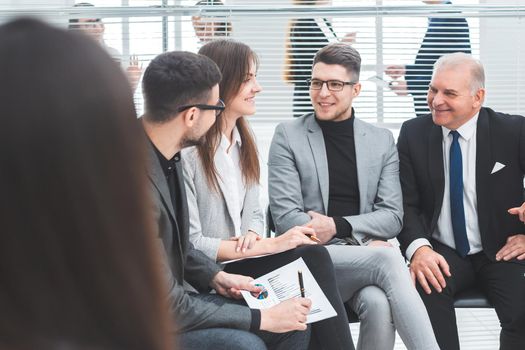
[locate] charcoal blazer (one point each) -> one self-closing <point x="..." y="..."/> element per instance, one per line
<point x="183" y="265"/>
<point x="500" y="138"/>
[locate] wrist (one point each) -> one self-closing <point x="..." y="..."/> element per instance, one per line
<point x="270" y="245"/>
<point x="215" y="281"/>
<point x="265" y="319"/>
<point x="421" y="250"/>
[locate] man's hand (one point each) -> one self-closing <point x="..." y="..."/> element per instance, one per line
<point x="349" y="38"/>
<point x="323" y="225"/>
<point x="293" y="238"/>
<point x="395" y="71"/>
<point x="290" y="315"/>
<point x="399" y="87"/>
<point x="134" y="71"/>
<point x="230" y="285"/>
<point x="514" y="248"/>
<point x="379" y="243"/>
<point x="520" y="211"/>
<point x="427" y="266"/>
<point x="246" y="242"/>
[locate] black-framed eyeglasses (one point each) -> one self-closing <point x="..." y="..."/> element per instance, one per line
<point x="218" y="108"/>
<point x="332" y="85"/>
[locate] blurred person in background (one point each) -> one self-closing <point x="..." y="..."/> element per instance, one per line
<point x="443" y="36"/>
<point x="306" y="36"/>
<point x="78" y="260"/>
<point x="209" y="28"/>
<point x="95" y="28"/>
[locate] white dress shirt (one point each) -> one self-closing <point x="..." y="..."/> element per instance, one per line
<point x="443" y="232"/>
<point x="227" y="158"/>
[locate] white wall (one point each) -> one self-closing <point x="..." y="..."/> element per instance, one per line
<point x="502" y="51"/>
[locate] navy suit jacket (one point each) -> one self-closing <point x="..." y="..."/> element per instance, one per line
<point x="443" y="36"/>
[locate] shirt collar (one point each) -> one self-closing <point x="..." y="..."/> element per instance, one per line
<point x="236" y="139"/>
<point x="466" y="130"/>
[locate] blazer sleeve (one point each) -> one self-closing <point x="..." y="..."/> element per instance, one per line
<point x="413" y="227"/>
<point x="208" y="245"/>
<point x="284" y="185"/>
<point x="191" y="312"/>
<point x="254" y="207"/>
<point x="386" y="218"/>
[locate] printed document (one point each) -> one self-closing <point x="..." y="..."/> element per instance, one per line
<point x="283" y="284"/>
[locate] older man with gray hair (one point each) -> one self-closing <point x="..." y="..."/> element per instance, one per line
<point x="462" y="170"/>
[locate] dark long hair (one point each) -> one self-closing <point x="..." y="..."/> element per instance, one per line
<point x="78" y="261"/>
<point x="234" y="59"/>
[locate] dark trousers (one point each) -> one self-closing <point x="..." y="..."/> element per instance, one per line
<point x="228" y="338"/>
<point x="502" y="282"/>
<point x="332" y="333"/>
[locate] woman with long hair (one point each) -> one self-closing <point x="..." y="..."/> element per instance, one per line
<point x="222" y="181"/>
<point x="78" y="260"/>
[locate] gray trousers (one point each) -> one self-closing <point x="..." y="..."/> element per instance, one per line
<point x="376" y="283"/>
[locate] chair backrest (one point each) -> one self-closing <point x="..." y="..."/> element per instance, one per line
<point x="270" y="227"/>
<point x="471" y="298"/>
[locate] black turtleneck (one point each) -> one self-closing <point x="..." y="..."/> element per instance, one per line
<point x="343" y="199"/>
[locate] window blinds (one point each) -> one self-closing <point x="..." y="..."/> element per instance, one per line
<point x="385" y="33"/>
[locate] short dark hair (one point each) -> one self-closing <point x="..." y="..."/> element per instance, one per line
<point x="341" y="54"/>
<point x="78" y="259"/>
<point x="174" y="79"/>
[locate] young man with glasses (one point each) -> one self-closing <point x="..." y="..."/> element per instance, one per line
<point x="181" y="94"/>
<point x="340" y="176"/>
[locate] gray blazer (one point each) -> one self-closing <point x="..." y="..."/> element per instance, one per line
<point x="211" y="216"/>
<point x="298" y="178"/>
<point x="183" y="265"/>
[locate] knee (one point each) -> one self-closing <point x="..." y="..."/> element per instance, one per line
<point x="313" y="253"/>
<point x="317" y="259"/>
<point x="372" y="306"/>
<point x="390" y="257"/>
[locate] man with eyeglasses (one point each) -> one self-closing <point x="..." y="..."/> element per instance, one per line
<point x="340" y="176"/>
<point x="181" y="94"/>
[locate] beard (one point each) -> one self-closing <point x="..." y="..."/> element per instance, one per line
<point x="194" y="138"/>
<point x="192" y="141"/>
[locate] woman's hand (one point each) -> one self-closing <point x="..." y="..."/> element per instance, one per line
<point x="246" y="242"/>
<point x="294" y="237"/>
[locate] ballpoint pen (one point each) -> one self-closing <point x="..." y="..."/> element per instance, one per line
<point x="301" y="285"/>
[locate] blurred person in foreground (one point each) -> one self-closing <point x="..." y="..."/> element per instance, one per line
<point x="78" y="260"/>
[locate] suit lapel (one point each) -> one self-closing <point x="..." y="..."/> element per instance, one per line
<point x="316" y="141"/>
<point x="362" y="147"/>
<point x="158" y="180"/>
<point x="436" y="169"/>
<point x="484" y="162"/>
<point x="184" y="215"/>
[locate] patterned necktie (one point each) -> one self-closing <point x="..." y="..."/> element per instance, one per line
<point x="457" y="211"/>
